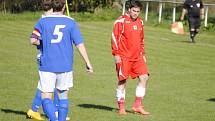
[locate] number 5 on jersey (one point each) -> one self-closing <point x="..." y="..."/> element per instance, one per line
<point x="58" y="33"/>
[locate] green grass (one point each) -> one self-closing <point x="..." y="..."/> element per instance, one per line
<point x="181" y="85"/>
<point x="102" y="15"/>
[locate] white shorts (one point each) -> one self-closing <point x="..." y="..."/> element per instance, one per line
<point x="49" y="81"/>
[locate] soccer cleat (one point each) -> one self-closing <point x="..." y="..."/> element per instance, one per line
<point x="121" y="104"/>
<point x="140" y="110"/>
<point x="192" y="39"/>
<point x="122" y="112"/>
<point x="67" y="118"/>
<point x="34" y="115"/>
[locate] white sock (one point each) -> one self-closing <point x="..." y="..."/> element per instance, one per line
<point x="140" y="91"/>
<point x="120" y="94"/>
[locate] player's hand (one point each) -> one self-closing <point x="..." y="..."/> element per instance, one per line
<point x="182" y="18"/>
<point x="89" y="68"/>
<point x="117" y="59"/>
<point x="34" y="41"/>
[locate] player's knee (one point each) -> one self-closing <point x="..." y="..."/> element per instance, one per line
<point x="144" y="77"/>
<point x="46" y="95"/>
<point x="122" y="82"/>
<point x="63" y="94"/>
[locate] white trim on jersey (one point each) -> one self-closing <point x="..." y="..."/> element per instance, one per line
<point x="54" y="15"/>
<point x="119" y="21"/>
<point x="114" y="39"/>
<point x="120" y="72"/>
<point x="121" y="32"/>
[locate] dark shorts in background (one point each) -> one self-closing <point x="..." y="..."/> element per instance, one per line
<point x="194" y="22"/>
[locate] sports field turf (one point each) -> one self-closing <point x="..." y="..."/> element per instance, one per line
<point x="181" y="85"/>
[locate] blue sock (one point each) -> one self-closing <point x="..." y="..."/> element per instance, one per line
<point x="37" y="101"/>
<point x="56" y="100"/>
<point x="63" y="109"/>
<point x="48" y="108"/>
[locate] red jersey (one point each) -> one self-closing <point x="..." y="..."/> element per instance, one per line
<point x="128" y="38"/>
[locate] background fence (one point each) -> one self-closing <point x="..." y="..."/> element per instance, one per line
<point x="175" y="5"/>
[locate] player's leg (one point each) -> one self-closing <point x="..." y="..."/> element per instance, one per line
<point x="33" y="112"/>
<point x="197" y="25"/>
<point x="191" y="21"/>
<point x="63" y="84"/>
<point x="37" y="101"/>
<point x="140" y="70"/>
<point x="56" y="100"/>
<point x="140" y="93"/>
<point x="120" y="95"/>
<point x="70" y="85"/>
<point x="122" y="73"/>
<point x="47" y="86"/>
<point x="63" y="105"/>
<point x="48" y="106"/>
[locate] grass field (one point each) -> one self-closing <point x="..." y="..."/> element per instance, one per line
<point x="181" y="85"/>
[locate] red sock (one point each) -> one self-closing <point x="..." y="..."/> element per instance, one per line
<point x="138" y="101"/>
<point x="121" y="103"/>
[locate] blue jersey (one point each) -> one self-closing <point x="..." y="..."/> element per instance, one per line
<point x="58" y="33"/>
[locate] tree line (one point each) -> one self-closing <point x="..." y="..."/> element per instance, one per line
<point x="17" y="6"/>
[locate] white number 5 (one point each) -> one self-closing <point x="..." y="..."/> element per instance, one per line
<point x="58" y="33"/>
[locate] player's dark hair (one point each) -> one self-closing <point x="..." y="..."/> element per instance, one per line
<point x="58" y="5"/>
<point x="135" y="3"/>
<point x="47" y="5"/>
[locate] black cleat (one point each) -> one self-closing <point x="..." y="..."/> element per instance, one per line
<point x="192" y="40"/>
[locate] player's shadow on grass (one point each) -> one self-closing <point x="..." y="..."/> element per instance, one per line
<point x="187" y="41"/>
<point x="211" y="99"/>
<point x="100" y="107"/>
<point x="13" y="111"/>
<point x="16" y="112"/>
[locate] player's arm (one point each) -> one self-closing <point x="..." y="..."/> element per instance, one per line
<point x="184" y="11"/>
<point x="34" y="41"/>
<point x="117" y="31"/>
<point x="202" y="13"/>
<point x="142" y="43"/>
<point x="36" y="34"/>
<point x="82" y="50"/>
<point x="202" y="10"/>
<point x="78" y="41"/>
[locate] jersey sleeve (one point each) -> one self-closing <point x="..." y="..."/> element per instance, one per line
<point x="185" y="5"/>
<point x="201" y="5"/>
<point x="76" y="34"/>
<point x="142" y="38"/>
<point x="37" y="30"/>
<point x="116" y="34"/>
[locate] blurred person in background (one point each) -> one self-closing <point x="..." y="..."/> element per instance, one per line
<point x="195" y="12"/>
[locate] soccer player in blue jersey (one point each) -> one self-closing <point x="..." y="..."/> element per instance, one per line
<point x="33" y="112"/>
<point x="58" y="33"/>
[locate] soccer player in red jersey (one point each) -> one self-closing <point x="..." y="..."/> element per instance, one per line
<point x="128" y="51"/>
